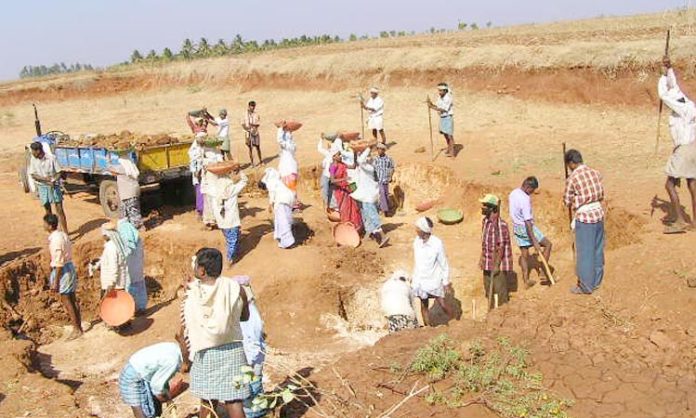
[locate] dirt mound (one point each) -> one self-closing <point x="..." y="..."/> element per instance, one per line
<point x="417" y="183"/>
<point x="24" y="389"/>
<point x="123" y="140"/>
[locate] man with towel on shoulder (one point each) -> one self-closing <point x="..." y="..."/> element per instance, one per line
<point x="375" y="108"/>
<point x="430" y="270"/>
<point x="213" y="310"/>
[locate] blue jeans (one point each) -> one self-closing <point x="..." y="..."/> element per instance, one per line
<point x="232" y="241"/>
<point x="589" y="245"/>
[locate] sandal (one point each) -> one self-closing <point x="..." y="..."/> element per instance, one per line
<point x="675" y="229"/>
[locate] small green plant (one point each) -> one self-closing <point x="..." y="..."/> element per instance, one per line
<point x="268" y="400"/>
<point x="436" y="359"/>
<point x="498" y="378"/>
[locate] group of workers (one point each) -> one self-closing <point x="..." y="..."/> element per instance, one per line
<point x="221" y="337"/>
<point x="583" y="194"/>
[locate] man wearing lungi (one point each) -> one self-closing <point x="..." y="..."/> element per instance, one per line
<point x="445" y="107"/>
<point x="44" y="169"/>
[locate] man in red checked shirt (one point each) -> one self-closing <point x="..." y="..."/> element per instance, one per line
<point x="584" y="193"/>
<point x="496" y="254"/>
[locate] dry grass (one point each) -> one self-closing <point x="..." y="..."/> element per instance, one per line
<point x="605" y="44"/>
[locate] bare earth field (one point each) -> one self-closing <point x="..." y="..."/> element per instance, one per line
<point x="627" y="351"/>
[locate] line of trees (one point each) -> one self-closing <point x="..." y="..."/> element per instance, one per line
<point x="204" y="49"/>
<point x="42" y="70"/>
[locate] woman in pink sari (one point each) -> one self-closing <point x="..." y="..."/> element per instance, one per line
<point x="348" y="208"/>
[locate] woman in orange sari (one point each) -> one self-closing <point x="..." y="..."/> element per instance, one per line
<point x="348" y="208"/>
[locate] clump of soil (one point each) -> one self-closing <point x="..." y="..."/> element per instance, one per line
<point x="123" y="140"/>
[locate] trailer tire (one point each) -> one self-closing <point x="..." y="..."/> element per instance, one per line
<point x="108" y="198"/>
<point x="23" y="174"/>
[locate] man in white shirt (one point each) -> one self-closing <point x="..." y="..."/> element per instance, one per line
<point x="63" y="278"/>
<point x="431" y="269"/>
<point x="375" y="108"/>
<point x="223" y="133"/>
<point x="682" y="162"/>
<point x="45" y="171"/>
<point x="395" y="300"/>
<point x="445" y="107"/>
<point x="526" y="233"/>
<point x="227" y="210"/>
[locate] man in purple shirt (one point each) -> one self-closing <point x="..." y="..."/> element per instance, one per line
<point x="526" y="233"/>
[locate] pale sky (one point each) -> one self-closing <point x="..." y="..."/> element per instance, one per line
<point x="104" y="32"/>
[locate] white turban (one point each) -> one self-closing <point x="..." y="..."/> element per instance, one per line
<point x="374" y="90"/>
<point x="423" y="224"/>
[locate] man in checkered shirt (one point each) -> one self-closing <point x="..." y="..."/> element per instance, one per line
<point x="384" y="170"/>
<point x="584" y="193"/>
<point x="496" y="250"/>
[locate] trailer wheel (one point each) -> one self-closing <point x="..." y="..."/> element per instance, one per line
<point x="108" y="198"/>
<point x="23" y="174"/>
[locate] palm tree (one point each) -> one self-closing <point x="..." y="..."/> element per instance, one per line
<point x="203" y="49"/>
<point x="237" y="44"/>
<point x="220" y="48"/>
<point x="152" y="55"/>
<point x="167" y="54"/>
<point x="135" y="57"/>
<point x="187" y="49"/>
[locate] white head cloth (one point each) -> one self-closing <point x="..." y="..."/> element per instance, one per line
<point x="422" y="224"/>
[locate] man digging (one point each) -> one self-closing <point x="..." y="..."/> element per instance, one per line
<point x="584" y="193"/>
<point x="496" y="251"/>
<point x="526" y="233"/>
<point x="682" y="162"/>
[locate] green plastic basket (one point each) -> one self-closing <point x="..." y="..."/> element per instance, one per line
<point x="450" y="216"/>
